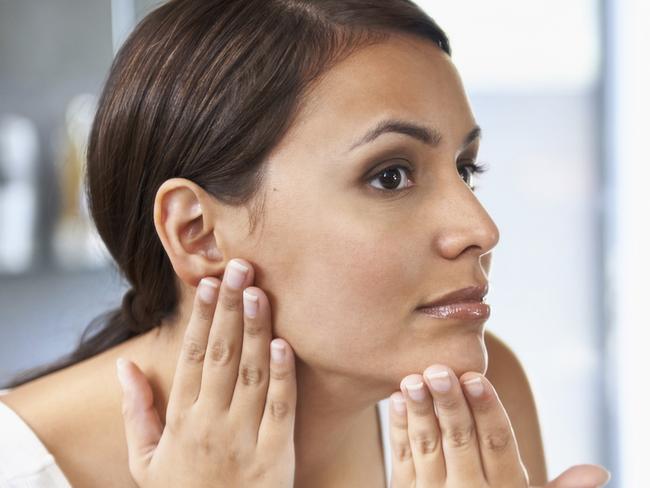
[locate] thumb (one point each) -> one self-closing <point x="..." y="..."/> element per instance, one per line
<point x="581" y="476"/>
<point x="142" y="424"/>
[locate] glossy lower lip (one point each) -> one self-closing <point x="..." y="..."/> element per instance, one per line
<point x="461" y="311"/>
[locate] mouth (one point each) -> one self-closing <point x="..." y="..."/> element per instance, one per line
<point x="463" y="304"/>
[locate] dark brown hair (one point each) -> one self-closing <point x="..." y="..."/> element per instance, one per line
<point x="204" y="90"/>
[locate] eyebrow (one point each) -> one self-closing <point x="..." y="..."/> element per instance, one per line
<point x="429" y="136"/>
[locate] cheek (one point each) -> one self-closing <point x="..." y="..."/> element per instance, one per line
<point x="341" y="290"/>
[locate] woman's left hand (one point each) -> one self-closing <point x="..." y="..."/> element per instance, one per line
<point x="467" y="442"/>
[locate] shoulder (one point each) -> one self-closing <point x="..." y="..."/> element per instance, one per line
<point x="24" y="460"/>
<point x="507" y="374"/>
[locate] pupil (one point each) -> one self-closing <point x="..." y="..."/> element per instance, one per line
<point x="391" y="181"/>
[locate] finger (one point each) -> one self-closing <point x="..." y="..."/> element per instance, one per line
<point x="459" y="443"/>
<point x="403" y="471"/>
<point x="142" y="424"/>
<point x="582" y="476"/>
<point x="277" y="426"/>
<point x="499" y="452"/>
<point x="187" y="377"/>
<point x="250" y="391"/>
<point x="423" y="432"/>
<point x="221" y="367"/>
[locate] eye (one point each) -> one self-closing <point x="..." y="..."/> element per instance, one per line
<point x="391" y="177"/>
<point x="469" y="169"/>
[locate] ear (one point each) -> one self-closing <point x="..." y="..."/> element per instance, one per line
<point x="185" y="225"/>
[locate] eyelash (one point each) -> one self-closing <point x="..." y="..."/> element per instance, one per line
<point x="476" y="168"/>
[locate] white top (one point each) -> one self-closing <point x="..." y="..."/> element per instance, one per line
<point x="24" y="460"/>
<point x="385" y="436"/>
<point x="26" y="463"/>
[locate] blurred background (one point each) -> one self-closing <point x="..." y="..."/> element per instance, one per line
<point x="560" y="90"/>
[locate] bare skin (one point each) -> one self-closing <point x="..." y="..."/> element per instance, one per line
<point x="471" y="427"/>
<point x="41" y="402"/>
<point x="344" y="267"/>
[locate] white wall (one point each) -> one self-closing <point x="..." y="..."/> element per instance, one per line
<point x="628" y="268"/>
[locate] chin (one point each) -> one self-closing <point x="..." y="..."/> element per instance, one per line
<point x="474" y="358"/>
<point x="461" y="352"/>
<point x="477" y="364"/>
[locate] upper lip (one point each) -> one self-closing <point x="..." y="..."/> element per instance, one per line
<point x="474" y="293"/>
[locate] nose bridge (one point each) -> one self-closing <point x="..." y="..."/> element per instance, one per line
<point x="467" y="224"/>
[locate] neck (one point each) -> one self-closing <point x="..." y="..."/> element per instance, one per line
<point x="332" y="412"/>
<point x="331" y="420"/>
<point x="334" y="428"/>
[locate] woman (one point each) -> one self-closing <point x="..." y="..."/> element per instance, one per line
<point x="329" y="146"/>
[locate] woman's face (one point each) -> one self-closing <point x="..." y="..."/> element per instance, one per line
<point x="345" y="255"/>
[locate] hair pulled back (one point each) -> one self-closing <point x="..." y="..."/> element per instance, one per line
<point x="204" y="91"/>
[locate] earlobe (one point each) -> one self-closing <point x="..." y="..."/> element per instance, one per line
<point x="184" y="226"/>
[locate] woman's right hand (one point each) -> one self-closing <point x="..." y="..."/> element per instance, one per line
<point x="230" y="417"/>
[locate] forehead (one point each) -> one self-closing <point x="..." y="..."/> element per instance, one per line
<point x="405" y="77"/>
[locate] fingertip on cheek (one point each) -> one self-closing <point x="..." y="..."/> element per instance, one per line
<point x="208" y="289"/>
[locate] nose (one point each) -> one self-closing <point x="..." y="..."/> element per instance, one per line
<point x="467" y="227"/>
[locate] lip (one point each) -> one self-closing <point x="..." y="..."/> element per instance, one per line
<point x="463" y="304"/>
<point x="460" y="311"/>
<point x="474" y="293"/>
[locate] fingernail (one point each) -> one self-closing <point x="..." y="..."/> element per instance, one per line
<point x="415" y="388"/>
<point x="235" y="274"/>
<point x="122" y="375"/>
<point x="208" y="290"/>
<point x="250" y="304"/>
<point x="277" y="351"/>
<point x="609" y="478"/>
<point x="474" y="386"/>
<point x="398" y="403"/>
<point x="439" y="379"/>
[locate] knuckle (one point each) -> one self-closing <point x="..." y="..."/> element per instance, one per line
<point x="280" y="374"/>
<point x="398" y="422"/>
<point x="193" y="351"/>
<point x="449" y="403"/>
<point x="497" y="440"/>
<point x="482" y="408"/>
<point x="423" y="409"/>
<point x="204" y="312"/>
<point x="252" y="328"/>
<point x="234" y="455"/>
<point x="459" y="436"/>
<point x="403" y="452"/>
<point x="260" y="473"/>
<point x="424" y="442"/>
<point x="250" y="374"/>
<point x="204" y="442"/>
<point x="174" y="422"/>
<point x="220" y="351"/>
<point x="278" y="409"/>
<point x="231" y="301"/>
